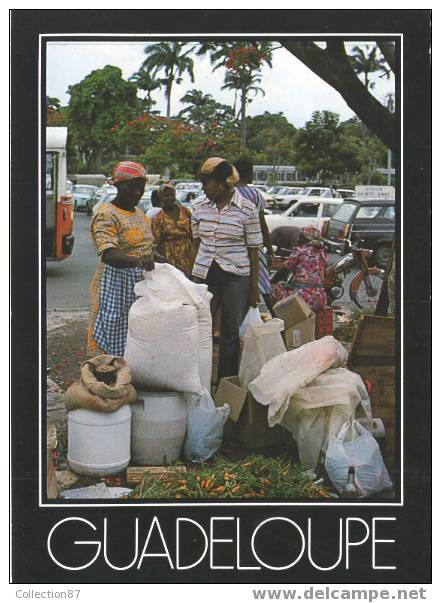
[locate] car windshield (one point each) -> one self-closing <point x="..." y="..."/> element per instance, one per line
<point x="83" y="190"/>
<point x="345" y="212"/>
<point x="368" y="213"/>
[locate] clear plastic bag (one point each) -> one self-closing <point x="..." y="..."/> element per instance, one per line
<point x="252" y="317"/>
<point x="205" y="425"/>
<point x="355" y="446"/>
<point x="261" y="342"/>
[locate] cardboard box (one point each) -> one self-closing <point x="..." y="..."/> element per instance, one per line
<point x="248" y="422"/>
<point x="305" y="330"/>
<point x="297" y="316"/>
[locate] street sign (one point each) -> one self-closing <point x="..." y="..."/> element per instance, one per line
<point x="375" y="192"/>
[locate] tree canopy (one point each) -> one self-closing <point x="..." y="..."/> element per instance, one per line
<point x="101" y="100"/>
<point x="333" y="65"/>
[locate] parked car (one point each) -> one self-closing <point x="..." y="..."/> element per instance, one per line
<point x="81" y="193"/>
<point x="100" y="193"/>
<point x="189" y="186"/>
<point x="371" y="221"/>
<point x="105" y="199"/>
<point x="285" y="201"/>
<point x="283" y="198"/>
<point x="306" y="212"/>
<point x="346" y="193"/>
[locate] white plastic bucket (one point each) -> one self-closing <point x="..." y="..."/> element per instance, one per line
<point x="159" y="424"/>
<point x="99" y="442"/>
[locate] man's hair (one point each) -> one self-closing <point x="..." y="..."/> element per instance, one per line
<point x="244" y="166"/>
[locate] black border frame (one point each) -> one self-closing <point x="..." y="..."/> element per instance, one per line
<point x="30" y="523"/>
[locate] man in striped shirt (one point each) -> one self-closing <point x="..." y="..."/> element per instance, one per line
<point x="226" y="239"/>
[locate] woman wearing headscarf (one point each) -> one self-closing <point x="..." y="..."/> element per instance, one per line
<point x="171" y="229"/>
<point x="306" y="264"/>
<point x="226" y="239"/>
<point x="122" y="235"/>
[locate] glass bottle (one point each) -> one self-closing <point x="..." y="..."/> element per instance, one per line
<point x="351" y="489"/>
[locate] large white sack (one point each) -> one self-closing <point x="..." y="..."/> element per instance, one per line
<point x="162" y="347"/>
<point x="285" y="374"/>
<point x="355" y="446"/>
<point x="316" y="413"/>
<point x="166" y="282"/>
<point x="261" y="342"/>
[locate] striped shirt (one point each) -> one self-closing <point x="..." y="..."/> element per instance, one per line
<point x="225" y="235"/>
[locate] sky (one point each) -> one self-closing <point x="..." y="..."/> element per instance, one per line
<point x="290" y="86"/>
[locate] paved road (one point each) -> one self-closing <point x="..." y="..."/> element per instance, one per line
<point x="68" y="281"/>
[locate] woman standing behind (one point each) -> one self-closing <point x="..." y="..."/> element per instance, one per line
<point x="244" y="167"/>
<point x="307" y="265"/>
<point x="226" y="239"/>
<point x="172" y="230"/>
<point x="122" y="235"/>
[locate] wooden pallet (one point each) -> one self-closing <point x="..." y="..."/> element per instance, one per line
<point x="373" y="356"/>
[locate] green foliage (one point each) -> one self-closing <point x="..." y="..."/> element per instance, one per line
<point x="364" y="62"/>
<point x="169" y="143"/>
<point x="101" y="100"/>
<point x="144" y="81"/>
<point x="271" y="139"/>
<point x="207" y="114"/>
<point x="170" y="59"/>
<point x="329" y="148"/>
<point x="243" y="62"/>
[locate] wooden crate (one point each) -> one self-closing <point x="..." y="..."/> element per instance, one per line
<point x="373" y="356"/>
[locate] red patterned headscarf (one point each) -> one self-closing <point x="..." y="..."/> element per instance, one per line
<point x="126" y="170"/>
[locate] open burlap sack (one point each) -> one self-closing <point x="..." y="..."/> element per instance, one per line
<point x="88" y="392"/>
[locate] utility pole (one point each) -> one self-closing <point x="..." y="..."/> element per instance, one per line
<point x="390" y="108"/>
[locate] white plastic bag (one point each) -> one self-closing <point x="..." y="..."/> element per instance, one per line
<point x="261" y="342"/>
<point x="252" y="317"/>
<point x="354" y="445"/>
<point x="317" y="411"/>
<point x="284" y="375"/>
<point x="205" y="425"/>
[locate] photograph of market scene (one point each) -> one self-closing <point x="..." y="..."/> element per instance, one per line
<point x="220" y="281"/>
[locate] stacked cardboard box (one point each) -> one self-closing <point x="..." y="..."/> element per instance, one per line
<point x="298" y="316"/>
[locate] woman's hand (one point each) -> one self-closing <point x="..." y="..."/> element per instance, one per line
<point x="146" y="263"/>
<point x="253" y="297"/>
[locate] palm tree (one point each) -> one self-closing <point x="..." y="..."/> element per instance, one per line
<point x="144" y="80"/>
<point x="171" y="59"/>
<point x="241" y="77"/>
<point x="367" y="62"/>
<point x="245" y="84"/>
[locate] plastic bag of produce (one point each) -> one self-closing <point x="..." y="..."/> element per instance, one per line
<point x="355" y="446"/>
<point x="205" y="425"/>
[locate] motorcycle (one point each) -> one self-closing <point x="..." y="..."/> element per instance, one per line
<point x="365" y="287"/>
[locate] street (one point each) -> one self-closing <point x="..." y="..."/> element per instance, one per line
<point x="68" y="281"/>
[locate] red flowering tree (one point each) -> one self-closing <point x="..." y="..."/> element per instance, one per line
<point x="243" y="62"/>
<point x="172" y="144"/>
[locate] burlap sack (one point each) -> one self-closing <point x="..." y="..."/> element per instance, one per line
<point x="88" y="392"/>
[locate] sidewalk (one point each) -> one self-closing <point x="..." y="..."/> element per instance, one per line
<point x="66" y="350"/>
